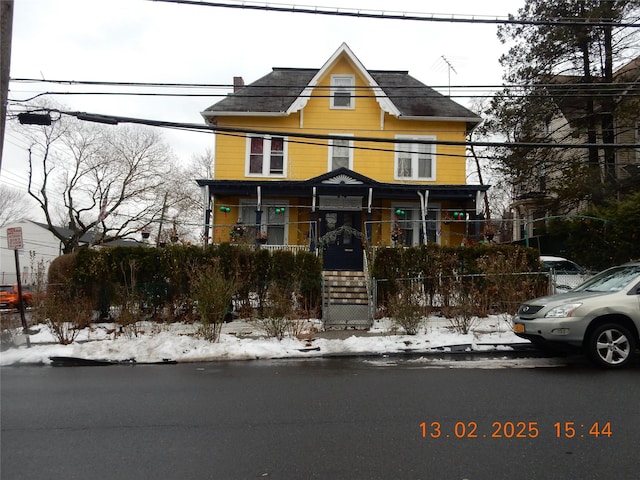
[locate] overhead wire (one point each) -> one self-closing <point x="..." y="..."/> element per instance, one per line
<point x="115" y="119"/>
<point x="296" y="9"/>
<point x="404" y="16"/>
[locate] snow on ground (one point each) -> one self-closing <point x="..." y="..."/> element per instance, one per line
<point x="242" y="340"/>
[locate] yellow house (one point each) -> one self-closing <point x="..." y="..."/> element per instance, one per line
<point x="329" y="158"/>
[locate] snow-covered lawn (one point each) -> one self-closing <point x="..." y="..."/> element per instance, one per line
<point x="243" y="341"/>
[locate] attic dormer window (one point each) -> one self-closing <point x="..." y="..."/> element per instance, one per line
<point x="342" y="91"/>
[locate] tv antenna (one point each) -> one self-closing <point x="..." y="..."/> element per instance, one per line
<point x="449" y="69"/>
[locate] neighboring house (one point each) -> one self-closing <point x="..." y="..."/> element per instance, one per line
<point x="41" y="247"/>
<point x="532" y="198"/>
<point x="628" y="125"/>
<point x="334" y="156"/>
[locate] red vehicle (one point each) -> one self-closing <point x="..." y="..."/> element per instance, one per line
<point x="9" y="296"/>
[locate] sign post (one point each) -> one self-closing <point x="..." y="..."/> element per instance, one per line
<point x="14" y="240"/>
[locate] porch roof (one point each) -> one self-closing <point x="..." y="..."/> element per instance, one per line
<point x="339" y="182"/>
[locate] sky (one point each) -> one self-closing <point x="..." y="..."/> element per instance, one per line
<point x="151" y="41"/>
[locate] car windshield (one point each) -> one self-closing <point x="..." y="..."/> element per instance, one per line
<point x="6" y="288"/>
<point x="612" y="280"/>
<point x="561" y="266"/>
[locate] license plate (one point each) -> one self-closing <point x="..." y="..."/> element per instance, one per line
<point x="518" y="328"/>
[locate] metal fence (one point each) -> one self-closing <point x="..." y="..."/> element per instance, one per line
<point x="484" y="294"/>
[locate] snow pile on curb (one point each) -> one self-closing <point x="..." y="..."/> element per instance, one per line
<point x="242" y="341"/>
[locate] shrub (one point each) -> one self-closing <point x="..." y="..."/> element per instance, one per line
<point x="65" y="313"/>
<point x="65" y="308"/>
<point x="278" y="316"/>
<point x="213" y="293"/>
<point x="461" y="315"/>
<point x="406" y="308"/>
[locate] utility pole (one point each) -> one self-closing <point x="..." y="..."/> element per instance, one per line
<point x="164" y="209"/>
<point x="6" y="27"/>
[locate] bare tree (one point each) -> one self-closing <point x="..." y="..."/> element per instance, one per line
<point x="104" y="182"/>
<point x="184" y="199"/>
<point x="13" y="205"/>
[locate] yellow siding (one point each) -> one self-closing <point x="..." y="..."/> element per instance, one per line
<point x="306" y="161"/>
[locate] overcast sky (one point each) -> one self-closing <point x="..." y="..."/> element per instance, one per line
<point x="147" y="41"/>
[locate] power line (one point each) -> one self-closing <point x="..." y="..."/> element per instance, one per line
<point x="114" y="120"/>
<point x="614" y="94"/>
<point x="407" y="16"/>
<point x="566" y="90"/>
<point x="559" y="86"/>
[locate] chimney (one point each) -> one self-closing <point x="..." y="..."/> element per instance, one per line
<point x="238" y="83"/>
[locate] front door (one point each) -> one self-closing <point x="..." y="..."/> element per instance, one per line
<point x="341" y="240"/>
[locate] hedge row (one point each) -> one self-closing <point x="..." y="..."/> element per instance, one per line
<point x="161" y="278"/>
<point x="491" y="277"/>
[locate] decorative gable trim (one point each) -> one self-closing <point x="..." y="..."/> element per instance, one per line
<point x="342" y="179"/>
<point x="341" y="176"/>
<point x="383" y="100"/>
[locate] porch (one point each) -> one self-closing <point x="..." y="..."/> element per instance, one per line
<point x="337" y="213"/>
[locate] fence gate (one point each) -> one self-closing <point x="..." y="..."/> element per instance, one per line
<point x="345" y="300"/>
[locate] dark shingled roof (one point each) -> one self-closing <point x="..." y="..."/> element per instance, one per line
<point x="414" y="99"/>
<point x="275" y="92"/>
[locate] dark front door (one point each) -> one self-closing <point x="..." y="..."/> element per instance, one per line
<point x="341" y="240"/>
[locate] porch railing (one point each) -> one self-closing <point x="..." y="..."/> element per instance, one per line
<point x="288" y="248"/>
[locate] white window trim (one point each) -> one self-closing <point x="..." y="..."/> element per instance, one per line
<point x="266" y="157"/>
<point x="414" y="157"/>
<point x="334" y="89"/>
<point x="330" y="159"/>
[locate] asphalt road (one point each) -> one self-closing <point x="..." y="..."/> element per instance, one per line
<point x="320" y="419"/>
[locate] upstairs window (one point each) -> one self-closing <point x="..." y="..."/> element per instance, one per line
<point x="415" y="161"/>
<point x="266" y="156"/>
<point x="340" y="154"/>
<point x="342" y="91"/>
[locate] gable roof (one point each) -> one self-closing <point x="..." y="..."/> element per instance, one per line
<point x="87" y="238"/>
<point x="286" y="90"/>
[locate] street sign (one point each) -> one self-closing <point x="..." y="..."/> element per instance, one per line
<point x="14" y="238"/>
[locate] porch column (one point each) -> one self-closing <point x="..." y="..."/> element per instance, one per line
<point x="368" y="226"/>
<point x="313" y="222"/>
<point x="258" y="225"/>
<point x="207" y="206"/>
<point x="258" y="214"/>
<point x="424" y="204"/>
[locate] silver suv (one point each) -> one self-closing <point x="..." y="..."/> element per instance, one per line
<point x="602" y="316"/>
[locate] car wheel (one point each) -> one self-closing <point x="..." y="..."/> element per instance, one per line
<point x="611" y="345"/>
